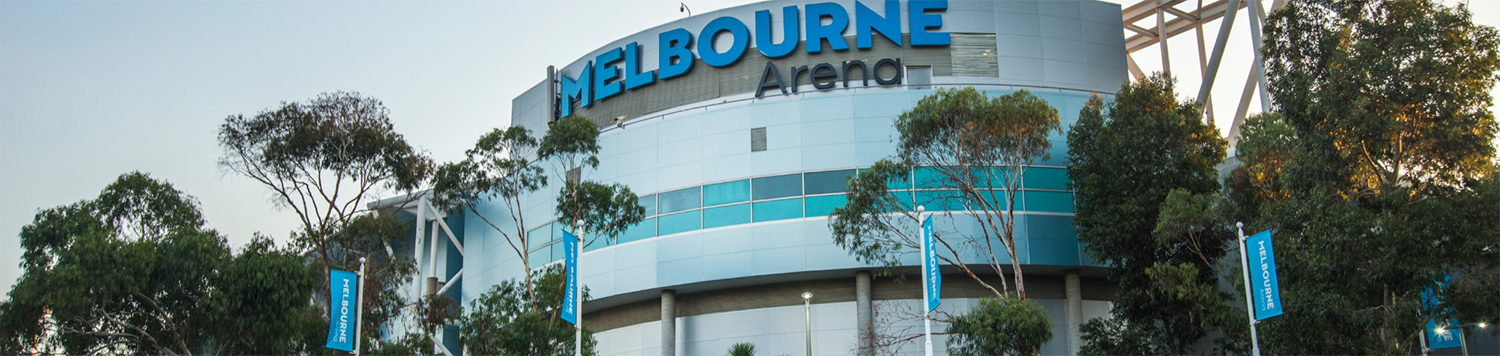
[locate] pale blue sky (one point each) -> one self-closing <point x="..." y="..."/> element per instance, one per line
<point x="91" y="90"/>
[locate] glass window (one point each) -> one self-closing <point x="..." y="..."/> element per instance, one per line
<point x="823" y="205"/>
<point x="558" y="228"/>
<point x="540" y="235"/>
<point x="778" y="187"/>
<point x="949" y="200"/>
<point x="640" y="231"/>
<point x="679" y="200"/>
<point x="597" y="244"/>
<point x="997" y="199"/>
<point x="726" y="193"/>
<point x="540" y="257"/>
<point x="1057" y="202"/>
<point x="931" y="177"/>
<point x="680" y="222"/>
<point x="726" y="215"/>
<point x="648" y="202"/>
<point x="778" y="209"/>
<point x="1045" y="178"/>
<point x="828" y="182"/>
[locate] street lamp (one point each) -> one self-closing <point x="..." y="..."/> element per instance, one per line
<point x="1461" y="341"/>
<point x="807" y="306"/>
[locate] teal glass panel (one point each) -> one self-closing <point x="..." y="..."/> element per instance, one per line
<point x="648" y="202"/>
<point x="996" y="198"/>
<point x="1057" y="202"/>
<point x="827" y="182"/>
<point x="929" y="177"/>
<point x="547" y="254"/>
<point x="777" y="187"/>
<point x="1045" y="178"/>
<point x="679" y="200"/>
<point x="643" y="230"/>
<point x="993" y="177"/>
<point x="726" y="215"/>
<point x="823" y="205"/>
<point x="778" y="209"/>
<point x="726" y="193"/>
<point x="594" y="244"/>
<point x="904" y="198"/>
<point x="903" y="183"/>
<point x="541" y="234"/>
<point x="680" y="222"/>
<point x="935" y="200"/>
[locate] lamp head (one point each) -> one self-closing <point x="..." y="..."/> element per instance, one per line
<point x="1482" y="325"/>
<point x="807" y="295"/>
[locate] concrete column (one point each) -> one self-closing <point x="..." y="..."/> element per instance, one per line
<point x="865" y="322"/>
<point x="1075" y="310"/>
<point x="668" y="322"/>
<point x="432" y="285"/>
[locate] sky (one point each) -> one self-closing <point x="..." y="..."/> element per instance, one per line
<point x="92" y="90"/>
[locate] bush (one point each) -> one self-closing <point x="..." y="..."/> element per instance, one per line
<point x="1000" y="326"/>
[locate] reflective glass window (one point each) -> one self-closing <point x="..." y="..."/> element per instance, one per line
<point x="679" y="200"/>
<point x="726" y="193"/>
<point x="680" y="222"/>
<point x="827" y="182"/>
<point x="539" y="258"/>
<point x="1057" y="202"/>
<point x="640" y="231"/>
<point x="823" y="205"/>
<point x="539" y="235"/>
<point x="778" y="187"/>
<point x="726" y="215"/>
<point x="648" y="202"/>
<point x="1045" y="178"/>
<point x="778" y="209"/>
<point x="934" y="200"/>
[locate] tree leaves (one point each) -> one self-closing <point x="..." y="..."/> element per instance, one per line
<point x="1007" y="325"/>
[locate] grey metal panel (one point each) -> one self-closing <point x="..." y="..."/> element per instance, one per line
<point x="974" y="55"/>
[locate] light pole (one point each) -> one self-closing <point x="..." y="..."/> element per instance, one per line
<point x="807" y="306"/>
<point x="1461" y="342"/>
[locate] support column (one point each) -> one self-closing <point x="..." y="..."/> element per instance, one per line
<point x="1075" y="310"/>
<point x="865" y="322"/>
<point x="668" y="322"/>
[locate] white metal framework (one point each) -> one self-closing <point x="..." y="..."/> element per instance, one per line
<point x="1168" y="21"/>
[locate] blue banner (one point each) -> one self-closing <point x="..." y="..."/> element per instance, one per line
<point x="1435" y="338"/>
<point x="1263" y="284"/>
<point x="570" y="297"/>
<point x="343" y="291"/>
<point x="932" y="278"/>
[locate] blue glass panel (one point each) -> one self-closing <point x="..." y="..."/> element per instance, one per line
<point x="550" y="253"/>
<point x="643" y="230"/>
<point x="1045" y="178"/>
<point x="648" y="202"/>
<point x="539" y="258"/>
<point x="903" y="183"/>
<point x="726" y="193"/>
<point x="1057" y="202"/>
<point x="726" y="215"/>
<point x="595" y="244"/>
<point x="778" y="209"/>
<point x="680" y="222"/>
<point x="904" y="197"/>
<point x="539" y="235"/>
<point x="935" y="200"/>
<point x="823" y="205"/>
<point x="557" y="230"/>
<point x="997" y="200"/>
<point x="827" y="182"/>
<point x="778" y="187"/>
<point x="679" y="200"/>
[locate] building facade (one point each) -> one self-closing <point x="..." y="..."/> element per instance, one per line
<point x="738" y="128"/>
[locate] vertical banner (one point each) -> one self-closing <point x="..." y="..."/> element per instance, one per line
<point x="933" y="278"/>
<point x="1263" y="283"/>
<point x="570" y="299"/>
<point x="1430" y="304"/>
<point x="343" y="288"/>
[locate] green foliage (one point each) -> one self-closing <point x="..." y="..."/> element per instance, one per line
<point x="606" y="210"/>
<point x="500" y="168"/>
<point x="135" y="271"/>
<point x="1007" y="325"/>
<point x="1146" y="188"/>
<point x="1389" y="182"/>
<point x="1111" y="336"/>
<point x="573" y="141"/>
<point x="978" y="146"/>
<point x="741" y="349"/>
<point x="503" y="321"/>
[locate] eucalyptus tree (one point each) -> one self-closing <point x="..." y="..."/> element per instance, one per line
<point x="501" y="168"/>
<point x="509" y="320"/>
<point x="1390" y="184"/>
<point x="605" y="210"/>
<point x="1144" y="176"/>
<point x="135" y="270"/>
<point x="974" y="146"/>
<point x="325" y="159"/>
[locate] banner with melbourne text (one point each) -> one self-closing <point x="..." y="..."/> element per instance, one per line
<point x="343" y="290"/>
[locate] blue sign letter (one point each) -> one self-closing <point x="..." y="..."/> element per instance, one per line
<point x="674" y="48"/>
<point x="606" y="71"/>
<point x="343" y="291"/>
<point x="736" y="48"/>
<point x="920" y="21"/>
<point x="789" y="34"/>
<point x="635" y="78"/>
<point x="1266" y="290"/>
<point x="834" y="32"/>
<point x="580" y="89"/>
<point x="570" y="261"/>
<point x="866" y="20"/>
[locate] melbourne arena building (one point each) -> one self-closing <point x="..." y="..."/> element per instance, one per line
<point x="738" y="129"/>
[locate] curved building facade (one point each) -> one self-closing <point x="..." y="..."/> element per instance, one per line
<point x="738" y="129"/>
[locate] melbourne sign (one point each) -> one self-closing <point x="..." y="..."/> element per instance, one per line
<point x="601" y="78"/>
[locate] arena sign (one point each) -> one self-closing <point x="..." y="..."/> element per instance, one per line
<point x="601" y="78"/>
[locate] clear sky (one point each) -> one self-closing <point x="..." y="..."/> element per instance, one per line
<point x="91" y="90"/>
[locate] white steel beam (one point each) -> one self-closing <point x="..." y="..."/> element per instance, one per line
<point x="1218" y="54"/>
<point x="1209" y="12"/>
<point x="1135" y="70"/>
<point x="444" y="225"/>
<point x="449" y="284"/>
